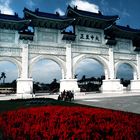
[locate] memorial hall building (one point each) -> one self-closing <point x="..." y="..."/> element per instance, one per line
<point x="93" y="36"/>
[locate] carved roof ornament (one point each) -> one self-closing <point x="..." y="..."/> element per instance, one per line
<point x="36" y="10"/>
<point x="57" y="13"/>
<point x="75" y="7"/>
<point x="16" y="14"/>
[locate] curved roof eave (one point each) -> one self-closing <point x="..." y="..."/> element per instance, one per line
<point x="16" y="21"/>
<point x="123" y="32"/>
<point x="112" y="18"/>
<point x="126" y="29"/>
<point x="47" y="18"/>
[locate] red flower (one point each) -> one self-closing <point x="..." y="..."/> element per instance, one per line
<point x="70" y="123"/>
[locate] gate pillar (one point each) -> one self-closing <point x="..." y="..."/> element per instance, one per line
<point x="111" y="84"/>
<point x="24" y="83"/>
<point x="69" y="83"/>
<point x="135" y="84"/>
<point x="24" y="87"/>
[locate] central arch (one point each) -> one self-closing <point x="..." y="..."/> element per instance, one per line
<point x="100" y="59"/>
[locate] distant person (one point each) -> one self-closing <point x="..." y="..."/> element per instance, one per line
<point x="33" y="95"/>
<point x="59" y="97"/>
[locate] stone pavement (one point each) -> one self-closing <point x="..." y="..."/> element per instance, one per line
<point x="129" y="102"/>
<point x="123" y="103"/>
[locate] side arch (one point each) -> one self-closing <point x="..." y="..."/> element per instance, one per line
<point x="60" y="62"/>
<point x="100" y="59"/>
<point x="134" y="67"/>
<point x="14" y="61"/>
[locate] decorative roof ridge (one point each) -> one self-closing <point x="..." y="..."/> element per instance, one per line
<point x="36" y="12"/>
<point x="88" y="13"/>
<point x="10" y="17"/>
<point x="17" y="21"/>
<point x="46" y="15"/>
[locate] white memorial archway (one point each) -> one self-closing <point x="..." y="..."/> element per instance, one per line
<point x="94" y="36"/>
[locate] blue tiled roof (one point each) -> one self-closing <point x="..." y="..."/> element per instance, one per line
<point x="91" y="14"/>
<point x="10" y="17"/>
<point x="13" y="22"/>
<point x="127" y="28"/>
<point x="123" y="32"/>
<point x="46" y="15"/>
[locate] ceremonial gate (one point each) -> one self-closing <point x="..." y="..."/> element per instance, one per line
<point x="93" y="36"/>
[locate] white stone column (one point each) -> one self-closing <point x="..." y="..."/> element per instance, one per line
<point x="138" y="65"/>
<point x="63" y="74"/>
<point x="135" y="84"/>
<point x="24" y="83"/>
<point x="25" y="63"/>
<point x="111" y="63"/>
<point x="111" y="85"/>
<point x="68" y="61"/>
<point x="106" y="74"/>
<point x="69" y="83"/>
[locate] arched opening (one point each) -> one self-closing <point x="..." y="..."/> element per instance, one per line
<point x="8" y="76"/>
<point x="90" y="74"/>
<point x="125" y="73"/>
<point x="46" y="74"/>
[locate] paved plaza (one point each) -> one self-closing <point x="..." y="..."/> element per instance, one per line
<point x="125" y="103"/>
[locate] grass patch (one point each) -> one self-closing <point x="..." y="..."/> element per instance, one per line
<point x="24" y="103"/>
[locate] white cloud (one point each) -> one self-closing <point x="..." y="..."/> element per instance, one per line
<point x="105" y="7"/>
<point x="5" y="7"/>
<point x="85" y="5"/>
<point x="121" y="13"/>
<point x="61" y="12"/>
<point x="125" y="13"/>
<point x="30" y="3"/>
<point x="82" y="5"/>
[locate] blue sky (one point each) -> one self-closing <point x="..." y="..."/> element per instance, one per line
<point x="127" y="10"/>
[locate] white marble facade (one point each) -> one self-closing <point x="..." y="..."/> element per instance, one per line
<point x="48" y="43"/>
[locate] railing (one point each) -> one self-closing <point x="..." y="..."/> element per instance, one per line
<point x="7" y="90"/>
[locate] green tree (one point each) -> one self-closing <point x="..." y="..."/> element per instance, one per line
<point x="3" y="76"/>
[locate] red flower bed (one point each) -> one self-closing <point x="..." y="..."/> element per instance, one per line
<point x="69" y="123"/>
